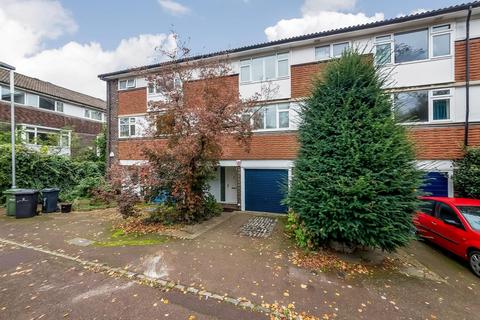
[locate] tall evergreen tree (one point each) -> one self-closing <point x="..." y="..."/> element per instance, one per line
<point x="355" y="180"/>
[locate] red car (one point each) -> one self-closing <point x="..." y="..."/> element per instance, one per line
<point x="454" y="224"/>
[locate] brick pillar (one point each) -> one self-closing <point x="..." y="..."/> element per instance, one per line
<point x="112" y="122"/>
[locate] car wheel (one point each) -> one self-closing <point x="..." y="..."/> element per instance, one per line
<point x="474" y="258"/>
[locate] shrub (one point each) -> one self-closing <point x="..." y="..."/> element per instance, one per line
<point x="297" y="231"/>
<point x="466" y="174"/>
<point x="127" y="199"/>
<point x="164" y="214"/>
<point x="355" y="180"/>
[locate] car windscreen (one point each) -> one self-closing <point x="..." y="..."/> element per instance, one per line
<point x="472" y="215"/>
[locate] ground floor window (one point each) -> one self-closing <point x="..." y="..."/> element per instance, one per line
<point x="42" y="136"/>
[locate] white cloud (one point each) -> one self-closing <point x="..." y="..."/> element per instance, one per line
<point x="311" y="7"/>
<point x="173" y="7"/>
<point x="416" y="11"/>
<point x="320" y="15"/>
<point x="74" y="65"/>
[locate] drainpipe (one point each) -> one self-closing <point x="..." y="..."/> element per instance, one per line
<point x="467" y="77"/>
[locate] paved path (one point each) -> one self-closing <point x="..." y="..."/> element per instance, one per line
<point x="222" y="261"/>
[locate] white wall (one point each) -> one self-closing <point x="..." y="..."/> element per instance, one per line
<point x="459" y="108"/>
<point x="275" y="89"/>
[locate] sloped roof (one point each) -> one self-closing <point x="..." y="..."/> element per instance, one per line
<point x="411" y="17"/>
<point x="39" y="86"/>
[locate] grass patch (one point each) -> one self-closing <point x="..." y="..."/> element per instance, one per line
<point x="119" y="238"/>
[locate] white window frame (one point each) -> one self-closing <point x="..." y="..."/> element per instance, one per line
<point x="383" y="42"/>
<point x="127" y="86"/>
<point x="431" y="98"/>
<point x="330" y="45"/>
<point x="35" y="129"/>
<point x="57" y="108"/>
<point x="277" y="117"/>
<point x="130" y="123"/>
<point x="248" y="63"/>
<point x="433" y="33"/>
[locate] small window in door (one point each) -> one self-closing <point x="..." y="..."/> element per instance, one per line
<point x="427" y="207"/>
<point x="446" y="213"/>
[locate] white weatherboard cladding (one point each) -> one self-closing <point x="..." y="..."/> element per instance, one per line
<point x="459" y="104"/>
<point x="419" y="73"/>
<point x="474" y="28"/>
<point x="73" y="110"/>
<point x="275" y="89"/>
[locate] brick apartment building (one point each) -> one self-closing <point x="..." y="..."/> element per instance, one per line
<point x="46" y="114"/>
<point x="425" y="53"/>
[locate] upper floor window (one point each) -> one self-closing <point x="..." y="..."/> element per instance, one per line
<point x="414" y="45"/>
<point x="423" y="105"/>
<point x="93" y="114"/>
<point x="275" y="116"/>
<point x="441" y="42"/>
<point x="59" y="106"/>
<point x="46" y="103"/>
<point x="18" y="97"/>
<point x="331" y="50"/>
<point x="130" y="127"/>
<point x="126" y="84"/>
<point x="264" y="68"/>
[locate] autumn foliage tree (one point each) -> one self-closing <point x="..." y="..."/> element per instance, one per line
<point x="199" y="106"/>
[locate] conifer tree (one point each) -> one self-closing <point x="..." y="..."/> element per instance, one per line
<point x="355" y="180"/>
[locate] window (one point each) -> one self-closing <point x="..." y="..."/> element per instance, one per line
<point x="411" y="106"/>
<point x="46" y="103"/>
<point x="472" y="215"/>
<point x="96" y="115"/>
<point x="129" y="127"/>
<point x="18" y="96"/>
<point x="45" y="136"/>
<point x="446" y="213"/>
<point x="423" y="105"/>
<point x="264" y="68"/>
<point x="59" y="106"/>
<point x="339" y="48"/>
<point x="441" y="40"/>
<point x="126" y="84"/>
<point x="441" y="104"/>
<point x="276" y="116"/>
<point x="411" y="46"/>
<point x="32" y="100"/>
<point x="427" y="207"/>
<point x="87" y="113"/>
<point x="328" y="51"/>
<point x="383" y="50"/>
<point x="322" y="53"/>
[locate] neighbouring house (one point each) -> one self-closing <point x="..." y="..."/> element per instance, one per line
<point x="51" y="116"/>
<point x="435" y="91"/>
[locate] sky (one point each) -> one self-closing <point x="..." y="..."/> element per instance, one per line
<point x="70" y="42"/>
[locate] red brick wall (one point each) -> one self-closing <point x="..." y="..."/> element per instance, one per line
<point x="262" y="147"/>
<point x="431" y="143"/>
<point x="224" y="86"/>
<point x="442" y="143"/>
<point x="132" y="101"/>
<point x="302" y="76"/>
<point x="474" y="60"/>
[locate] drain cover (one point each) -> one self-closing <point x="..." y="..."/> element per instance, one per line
<point x="258" y="227"/>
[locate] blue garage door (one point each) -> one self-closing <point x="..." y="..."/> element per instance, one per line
<point x="265" y="190"/>
<point x="436" y="184"/>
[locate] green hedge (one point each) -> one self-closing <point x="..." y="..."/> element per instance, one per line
<point x="36" y="170"/>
